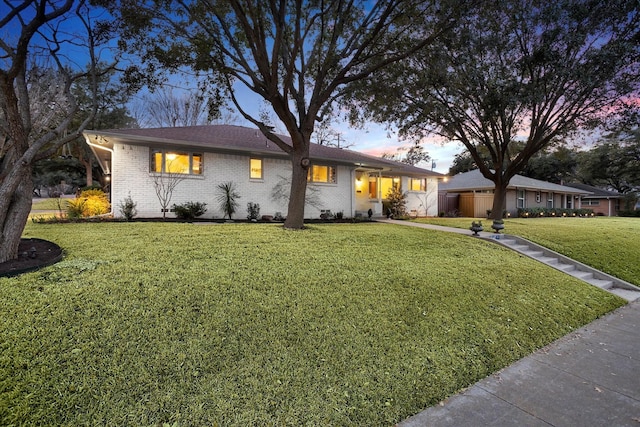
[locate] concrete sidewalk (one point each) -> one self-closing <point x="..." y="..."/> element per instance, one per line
<point x="590" y="377"/>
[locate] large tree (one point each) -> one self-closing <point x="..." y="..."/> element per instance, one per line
<point x="297" y="55"/>
<point x="514" y="78"/>
<point x="38" y="39"/>
<point x="613" y="163"/>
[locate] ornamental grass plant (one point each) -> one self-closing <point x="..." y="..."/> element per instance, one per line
<point x="251" y="324"/>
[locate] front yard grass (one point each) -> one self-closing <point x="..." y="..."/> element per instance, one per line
<point x="53" y="204"/>
<point x="610" y="244"/>
<point x="246" y="324"/>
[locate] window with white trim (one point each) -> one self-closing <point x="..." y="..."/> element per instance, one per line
<point x="521" y="194"/>
<point x="418" y="184"/>
<point x="178" y="162"/>
<point x="373" y="187"/>
<point x="322" y="174"/>
<point x="550" y="200"/>
<point x="255" y="167"/>
<point x="388" y="184"/>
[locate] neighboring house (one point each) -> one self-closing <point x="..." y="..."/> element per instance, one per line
<point x="603" y="202"/>
<point x="202" y="157"/>
<point x="475" y="194"/>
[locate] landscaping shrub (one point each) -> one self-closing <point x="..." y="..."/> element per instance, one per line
<point x="89" y="203"/>
<point x="253" y="211"/>
<point x="396" y="203"/>
<point x="539" y="212"/>
<point x="629" y="213"/>
<point x="128" y="208"/>
<point x="190" y="210"/>
<point x="228" y="198"/>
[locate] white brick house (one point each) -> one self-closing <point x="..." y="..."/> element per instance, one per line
<point x="205" y="156"/>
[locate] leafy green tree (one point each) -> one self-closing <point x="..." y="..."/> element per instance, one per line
<point x="297" y="55"/>
<point x="33" y="32"/>
<point x="554" y="166"/>
<point x="514" y="78"/>
<point x="614" y="163"/>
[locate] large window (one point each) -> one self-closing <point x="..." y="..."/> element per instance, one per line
<point x="550" y="200"/>
<point x="418" y="184"/>
<point x="255" y="166"/>
<point x="321" y="173"/>
<point x="387" y="184"/>
<point x="176" y="162"/>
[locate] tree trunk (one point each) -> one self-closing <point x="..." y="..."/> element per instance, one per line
<point x="300" y="168"/>
<point x="15" y="213"/>
<point x="499" y="199"/>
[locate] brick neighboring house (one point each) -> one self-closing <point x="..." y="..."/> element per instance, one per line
<point x="205" y="156"/>
<point x="602" y="202"/>
<point x="472" y="194"/>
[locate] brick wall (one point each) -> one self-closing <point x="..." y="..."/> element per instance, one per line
<point x="130" y="175"/>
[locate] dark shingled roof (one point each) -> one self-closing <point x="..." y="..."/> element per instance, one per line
<point x="239" y="139"/>
<point x="598" y="193"/>
<point x="474" y="180"/>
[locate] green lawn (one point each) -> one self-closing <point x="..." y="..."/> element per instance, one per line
<point x="610" y="244"/>
<point x="50" y="204"/>
<point x="248" y="324"/>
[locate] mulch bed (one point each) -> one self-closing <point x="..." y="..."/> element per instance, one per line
<point x="32" y="255"/>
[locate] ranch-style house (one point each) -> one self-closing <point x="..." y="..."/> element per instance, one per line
<point x="200" y="158"/>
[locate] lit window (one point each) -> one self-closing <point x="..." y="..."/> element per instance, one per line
<point x="256" y="168"/>
<point x="418" y="184"/>
<point x="196" y="164"/>
<point x="176" y="162"/>
<point x="387" y="185"/>
<point x="320" y="173"/>
<point x="373" y="187"/>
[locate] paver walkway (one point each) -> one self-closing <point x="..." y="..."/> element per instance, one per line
<point x="590" y="377"/>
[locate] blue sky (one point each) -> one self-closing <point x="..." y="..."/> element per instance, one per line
<point x="372" y="138"/>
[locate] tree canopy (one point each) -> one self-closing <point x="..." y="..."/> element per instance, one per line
<point x="515" y="77"/>
<point x="297" y="55"/>
<point x="614" y="163"/>
<point x="40" y="51"/>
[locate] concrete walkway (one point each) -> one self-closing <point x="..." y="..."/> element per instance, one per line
<point x="590" y="377"/>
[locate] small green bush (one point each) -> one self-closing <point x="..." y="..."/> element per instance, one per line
<point x="128" y="208"/>
<point x="253" y="211"/>
<point x="539" y="212"/>
<point x="397" y="203"/>
<point x="190" y="210"/>
<point x="629" y="213"/>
